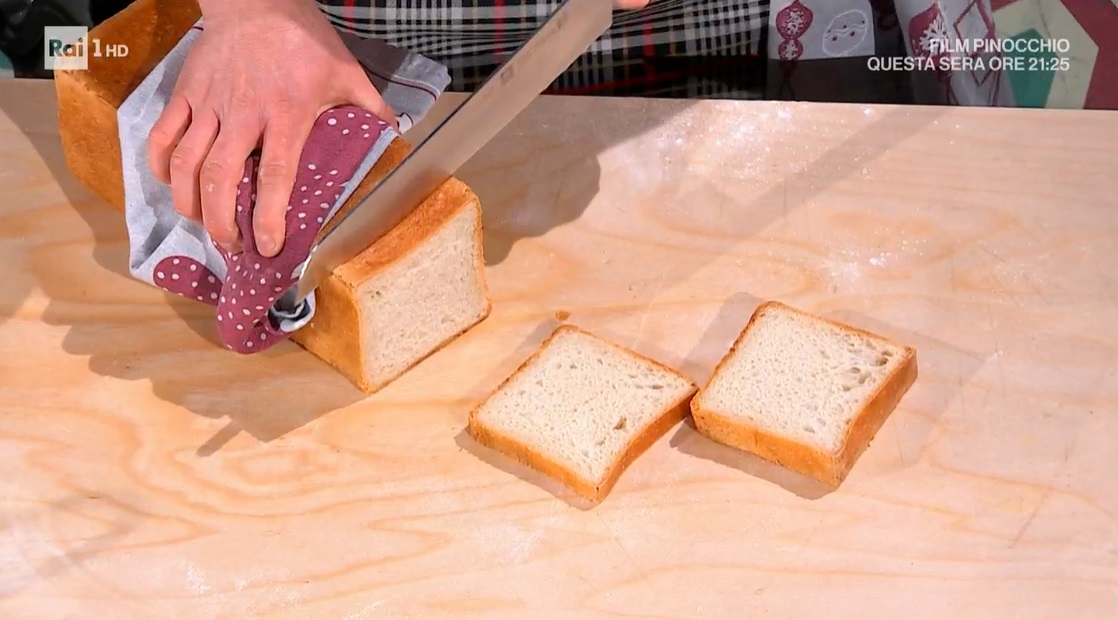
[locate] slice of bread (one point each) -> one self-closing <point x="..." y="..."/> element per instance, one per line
<point x="804" y="392"/>
<point x="581" y="410"/>
<point x="397" y="302"/>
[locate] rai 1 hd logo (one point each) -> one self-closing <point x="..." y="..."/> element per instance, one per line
<point x="69" y="48"/>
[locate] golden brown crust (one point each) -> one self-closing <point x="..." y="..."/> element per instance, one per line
<point x="431" y="215"/>
<point x="88" y="100"/>
<point x="332" y="334"/>
<point x="642" y="442"/>
<point x="428" y="217"/>
<point x="591" y="490"/>
<point x="88" y="130"/>
<point x="827" y="468"/>
<point x="870" y="419"/>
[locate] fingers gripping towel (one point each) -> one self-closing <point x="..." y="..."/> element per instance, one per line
<point x="247" y="289"/>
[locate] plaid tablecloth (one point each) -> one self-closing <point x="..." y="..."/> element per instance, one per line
<point x="797" y="49"/>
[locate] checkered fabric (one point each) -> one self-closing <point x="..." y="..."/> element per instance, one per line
<point x="672" y="48"/>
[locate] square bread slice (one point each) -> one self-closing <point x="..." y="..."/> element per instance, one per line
<point x="581" y="410"/>
<point x="804" y="392"/>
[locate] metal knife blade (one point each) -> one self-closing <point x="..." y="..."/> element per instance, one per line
<point x="562" y="38"/>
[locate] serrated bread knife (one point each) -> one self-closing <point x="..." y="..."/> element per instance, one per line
<point x="562" y="38"/>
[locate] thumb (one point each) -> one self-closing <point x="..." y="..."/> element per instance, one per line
<point x="364" y="94"/>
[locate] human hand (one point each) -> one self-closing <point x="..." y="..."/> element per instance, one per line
<point x="259" y="75"/>
<point x="630" y="4"/>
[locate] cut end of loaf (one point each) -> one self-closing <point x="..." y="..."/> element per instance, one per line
<point x="422" y="301"/>
<point x="409" y="294"/>
<point x="803" y="391"/>
<point x="581" y="409"/>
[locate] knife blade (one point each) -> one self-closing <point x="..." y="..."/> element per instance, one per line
<point x="564" y="36"/>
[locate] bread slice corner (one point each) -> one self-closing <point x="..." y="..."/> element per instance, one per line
<point x="804" y="392"/>
<point x="580" y="410"/>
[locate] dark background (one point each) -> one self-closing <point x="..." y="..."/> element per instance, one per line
<point x="841" y="80"/>
<point x="831" y="80"/>
<point x="22" y="22"/>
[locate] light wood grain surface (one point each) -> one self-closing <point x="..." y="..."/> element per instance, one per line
<point x="149" y="474"/>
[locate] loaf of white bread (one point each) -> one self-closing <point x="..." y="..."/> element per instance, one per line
<point x="407" y="295"/>
<point x="804" y="392"/>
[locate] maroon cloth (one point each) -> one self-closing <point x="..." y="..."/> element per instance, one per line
<point x="338" y="144"/>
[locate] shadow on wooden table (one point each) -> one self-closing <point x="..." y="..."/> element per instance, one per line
<point x="906" y="434"/>
<point x="41" y="131"/>
<point x="266" y="395"/>
<point x="522" y="210"/>
<point x="42" y="543"/>
<point x="506" y="223"/>
<point x="515" y="211"/>
<point x="730" y="230"/>
<point x="912" y="427"/>
<point x="893" y="126"/>
<point x="498" y="373"/>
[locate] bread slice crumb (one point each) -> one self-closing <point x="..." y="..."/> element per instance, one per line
<point x="804" y="392"/>
<point x="581" y="410"/>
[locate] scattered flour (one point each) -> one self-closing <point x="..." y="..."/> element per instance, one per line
<point x="364" y="611"/>
<point x="195" y="579"/>
<point x="844" y="271"/>
<point x="506" y="542"/>
<point x="650" y="157"/>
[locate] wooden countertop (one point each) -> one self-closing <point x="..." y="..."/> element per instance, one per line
<point x="150" y="474"/>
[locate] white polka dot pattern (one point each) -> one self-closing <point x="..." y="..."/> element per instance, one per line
<point x="334" y="150"/>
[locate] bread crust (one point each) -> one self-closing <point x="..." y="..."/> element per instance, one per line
<point x="88" y="100"/>
<point x="830" y="469"/>
<point x="593" y="491"/>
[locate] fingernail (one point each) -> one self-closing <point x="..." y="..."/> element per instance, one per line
<point x="235" y="246"/>
<point x="267" y="245"/>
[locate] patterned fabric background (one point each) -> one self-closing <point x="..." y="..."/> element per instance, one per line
<point x="1086" y="77"/>
<point x="1090" y="27"/>
<point x="673" y="48"/>
<point x="807" y="49"/>
<point x="813" y="30"/>
<point x="784" y="49"/>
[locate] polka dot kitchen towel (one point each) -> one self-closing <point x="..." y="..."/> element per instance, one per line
<point x="247" y="289"/>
